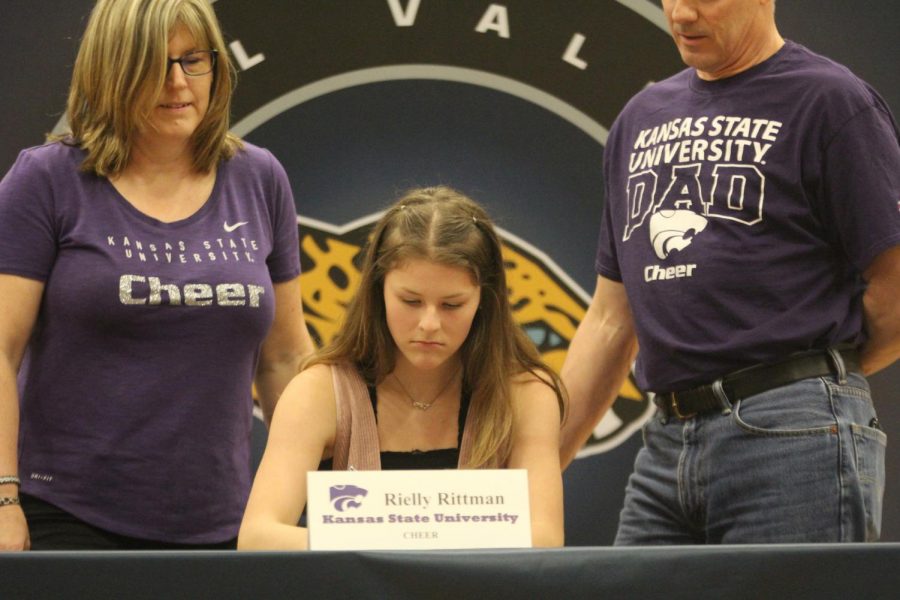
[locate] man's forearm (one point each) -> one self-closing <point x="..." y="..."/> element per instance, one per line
<point x="882" y="312"/>
<point x="593" y="387"/>
<point x="597" y="362"/>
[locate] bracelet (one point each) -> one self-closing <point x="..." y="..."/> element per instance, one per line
<point x="8" y="500"/>
<point x="9" y="479"/>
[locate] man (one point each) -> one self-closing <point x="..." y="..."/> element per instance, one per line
<point x="750" y="245"/>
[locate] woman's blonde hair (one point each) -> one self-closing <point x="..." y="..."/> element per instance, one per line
<point x="121" y="70"/>
<point x="442" y="225"/>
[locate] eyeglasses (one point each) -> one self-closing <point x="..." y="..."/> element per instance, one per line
<point x="193" y="64"/>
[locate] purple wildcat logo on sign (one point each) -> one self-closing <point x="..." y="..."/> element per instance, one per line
<point x="407" y="510"/>
<point x="346" y="496"/>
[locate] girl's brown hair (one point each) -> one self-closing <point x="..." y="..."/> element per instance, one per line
<point x="442" y="225"/>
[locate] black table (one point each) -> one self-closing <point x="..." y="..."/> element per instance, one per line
<point x="755" y="571"/>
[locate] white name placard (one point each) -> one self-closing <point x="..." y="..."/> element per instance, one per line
<point x="406" y="510"/>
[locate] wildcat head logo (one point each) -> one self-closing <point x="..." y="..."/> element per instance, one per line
<point x="672" y="230"/>
<point x="346" y="496"/>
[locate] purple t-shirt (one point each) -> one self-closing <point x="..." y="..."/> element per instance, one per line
<point x="135" y="389"/>
<point x="741" y="213"/>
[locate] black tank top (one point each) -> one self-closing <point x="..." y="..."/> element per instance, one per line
<point x="442" y="458"/>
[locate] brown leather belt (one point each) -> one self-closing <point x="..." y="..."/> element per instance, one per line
<point x="755" y="380"/>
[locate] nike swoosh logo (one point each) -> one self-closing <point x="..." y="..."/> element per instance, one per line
<point x="230" y="228"/>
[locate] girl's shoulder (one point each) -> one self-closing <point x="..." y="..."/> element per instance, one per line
<point x="536" y="392"/>
<point x="318" y="375"/>
<point x="527" y="379"/>
<point x="312" y="385"/>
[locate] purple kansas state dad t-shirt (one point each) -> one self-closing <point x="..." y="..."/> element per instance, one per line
<point x="741" y="213"/>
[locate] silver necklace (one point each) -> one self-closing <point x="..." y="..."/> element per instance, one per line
<point x="425" y="405"/>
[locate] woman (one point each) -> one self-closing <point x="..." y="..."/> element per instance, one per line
<point x="149" y="271"/>
<point x="429" y="366"/>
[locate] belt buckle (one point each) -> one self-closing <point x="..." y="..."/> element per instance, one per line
<point x="674" y="406"/>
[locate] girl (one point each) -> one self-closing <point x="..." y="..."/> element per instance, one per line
<point x="430" y="368"/>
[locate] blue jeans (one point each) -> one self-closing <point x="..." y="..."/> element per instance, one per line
<point x="800" y="463"/>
